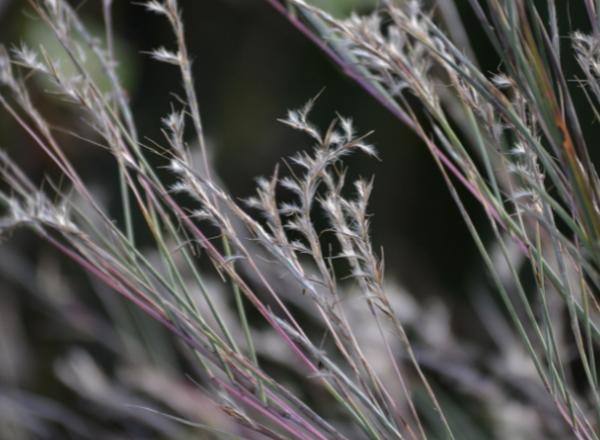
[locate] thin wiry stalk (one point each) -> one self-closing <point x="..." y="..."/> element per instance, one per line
<point x="181" y="59"/>
<point x="513" y="114"/>
<point x="522" y="135"/>
<point x="166" y="296"/>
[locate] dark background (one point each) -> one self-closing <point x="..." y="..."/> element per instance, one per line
<point x="250" y="67"/>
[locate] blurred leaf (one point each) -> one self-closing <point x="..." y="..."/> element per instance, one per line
<point x="341" y="8"/>
<point x="37" y="34"/>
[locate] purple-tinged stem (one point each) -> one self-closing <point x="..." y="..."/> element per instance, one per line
<point x="401" y="115"/>
<point x="592" y="14"/>
<point x="346" y="68"/>
<point x="109" y="281"/>
<point x="276" y="418"/>
<point x="260" y="307"/>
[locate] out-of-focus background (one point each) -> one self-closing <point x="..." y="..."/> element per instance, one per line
<point x="59" y="371"/>
<point x="251" y="66"/>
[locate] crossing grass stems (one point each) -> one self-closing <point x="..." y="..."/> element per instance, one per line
<point x="506" y="137"/>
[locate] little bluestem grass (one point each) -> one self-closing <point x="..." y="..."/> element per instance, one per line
<point x="512" y="138"/>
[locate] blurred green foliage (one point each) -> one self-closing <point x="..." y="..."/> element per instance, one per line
<point x="342" y="8"/>
<point x="36" y="34"/>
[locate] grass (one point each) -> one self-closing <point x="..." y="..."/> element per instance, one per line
<point x="513" y="139"/>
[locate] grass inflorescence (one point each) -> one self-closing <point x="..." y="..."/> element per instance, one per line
<point x="512" y="138"/>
